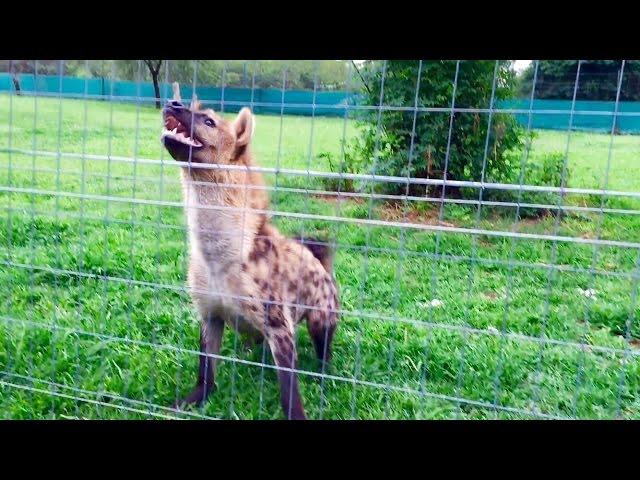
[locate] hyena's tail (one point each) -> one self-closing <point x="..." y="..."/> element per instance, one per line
<point x="321" y="250"/>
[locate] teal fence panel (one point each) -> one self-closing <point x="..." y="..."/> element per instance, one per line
<point x="629" y="124"/>
<point x="556" y="115"/>
<point x="229" y="99"/>
<point x="54" y="84"/>
<point x="5" y="82"/>
<point x="132" y="91"/>
<point x="546" y="114"/>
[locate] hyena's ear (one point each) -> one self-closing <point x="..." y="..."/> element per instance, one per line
<point x="195" y="104"/>
<point x="244" y="126"/>
<point x="176" y="91"/>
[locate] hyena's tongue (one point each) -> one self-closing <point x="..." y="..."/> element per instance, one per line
<point x="183" y="129"/>
<point x="171" y="123"/>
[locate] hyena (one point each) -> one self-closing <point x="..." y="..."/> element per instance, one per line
<point x="242" y="271"/>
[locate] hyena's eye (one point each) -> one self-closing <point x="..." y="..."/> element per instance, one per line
<point x="209" y="123"/>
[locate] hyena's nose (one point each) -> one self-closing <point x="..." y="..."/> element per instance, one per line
<point x="176" y="104"/>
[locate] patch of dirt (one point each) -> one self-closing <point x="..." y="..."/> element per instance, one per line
<point x="529" y="222"/>
<point x="506" y="221"/>
<point x="395" y="212"/>
<point x="484" y="241"/>
<point x="391" y="211"/>
<point x="491" y="295"/>
<point x="635" y="343"/>
<point x="340" y="199"/>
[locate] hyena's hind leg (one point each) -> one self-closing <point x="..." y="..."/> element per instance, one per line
<point x="279" y="336"/>
<point x="322" y="325"/>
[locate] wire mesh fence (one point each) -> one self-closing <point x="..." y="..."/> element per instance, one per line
<point x="503" y="287"/>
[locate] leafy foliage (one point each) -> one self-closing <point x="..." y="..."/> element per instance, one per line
<point x="546" y="171"/>
<point x="293" y="74"/>
<point x="400" y="142"/>
<point x="598" y="80"/>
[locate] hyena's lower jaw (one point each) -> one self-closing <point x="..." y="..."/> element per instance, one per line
<point x="179" y="151"/>
<point x="180" y="136"/>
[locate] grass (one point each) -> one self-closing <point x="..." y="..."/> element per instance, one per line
<point x="96" y="323"/>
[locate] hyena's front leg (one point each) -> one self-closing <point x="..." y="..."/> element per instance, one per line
<point x="211" y="331"/>
<point x="279" y="334"/>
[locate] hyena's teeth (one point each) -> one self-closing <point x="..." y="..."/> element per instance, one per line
<point x="174" y="131"/>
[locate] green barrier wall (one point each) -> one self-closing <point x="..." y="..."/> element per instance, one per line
<point x="295" y="102"/>
<point x="548" y="114"/>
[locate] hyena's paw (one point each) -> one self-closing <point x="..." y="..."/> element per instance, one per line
<point x="195" y="399"/>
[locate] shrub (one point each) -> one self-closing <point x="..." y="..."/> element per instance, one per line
<point x="546" y="171"/>
<point x="429" y="147"/>
<point x="351" y="163"/>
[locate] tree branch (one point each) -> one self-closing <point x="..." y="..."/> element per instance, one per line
<point x="361" y="77"/>
<point x="154" y="69"/>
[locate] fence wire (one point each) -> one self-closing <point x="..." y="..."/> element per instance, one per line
<point x="476" y="297"/>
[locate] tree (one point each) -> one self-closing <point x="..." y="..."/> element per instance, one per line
<point x="14" y="77"/>
<point x="154" y="70"/>
<point x="425" y="144"/>
<point x="556" y="79"/>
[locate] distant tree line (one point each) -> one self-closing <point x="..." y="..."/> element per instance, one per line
<point x="598" y="80"/>
<point x="293" y="74"/>
<point x="555" y="78"/>
<point x="289" y="74"/>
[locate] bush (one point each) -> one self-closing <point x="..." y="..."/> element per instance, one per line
<point x="351" y="163"/>
<point x="544" y="172"/>
<point x="429" y="149"/>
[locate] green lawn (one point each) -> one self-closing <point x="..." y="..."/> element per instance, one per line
<point x="101" y="327"/>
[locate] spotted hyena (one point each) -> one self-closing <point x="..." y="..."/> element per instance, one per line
<point x="242" y="271"/>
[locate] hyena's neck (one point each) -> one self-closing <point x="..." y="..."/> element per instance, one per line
<point x="223" y="215"/>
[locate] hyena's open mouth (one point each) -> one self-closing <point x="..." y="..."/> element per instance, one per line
<point x="178" y="131"/>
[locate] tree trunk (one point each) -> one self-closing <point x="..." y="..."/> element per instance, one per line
<point x="156" y="88"/>
<point x="154" y="70"/>
<point x="14" y="77"/>
<point x="16" y="83"/>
